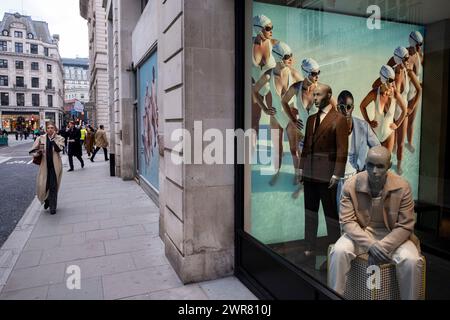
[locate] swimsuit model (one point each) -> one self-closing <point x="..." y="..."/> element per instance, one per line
<point x="259" y="70"/>
<point x="304" y="111"/>
<point x="404" y="94"/>
<point x="384" y="120"/>
<point x="281" y="116"/>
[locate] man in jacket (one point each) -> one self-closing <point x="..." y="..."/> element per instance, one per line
<point x="74" y="146"/>
<point x="376" y="217"/>
<point x="101" y="141"/>
<point x="322" y="164"/>
<point x="360" y="139"/>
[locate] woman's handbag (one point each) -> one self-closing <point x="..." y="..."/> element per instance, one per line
<point x="37" y="157"/>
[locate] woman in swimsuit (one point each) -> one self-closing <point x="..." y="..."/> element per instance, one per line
<point x="416" y="60"/>
<point x="284" y="75"/>
<point x="304" y="91"/>
<point x="385" y="98"/>
<point x="263" y="63"/>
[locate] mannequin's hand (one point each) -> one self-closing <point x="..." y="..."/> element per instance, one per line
<point x="333" y="182"/>
<point x="271" y="111"/>
<point x="377" y="255"/>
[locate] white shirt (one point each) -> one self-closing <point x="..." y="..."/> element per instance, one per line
<point x="349" y="169"/>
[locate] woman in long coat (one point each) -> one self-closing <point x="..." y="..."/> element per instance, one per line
<point x="50" y="170"/>
<point x="89" y="141"/>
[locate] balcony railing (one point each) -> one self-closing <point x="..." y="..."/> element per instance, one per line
<point x="19" y="87"/>
<point x="50" y="89"/>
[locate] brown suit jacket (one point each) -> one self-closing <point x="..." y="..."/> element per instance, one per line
<point x="356" y="206"/>
<point x="325" y="153"/>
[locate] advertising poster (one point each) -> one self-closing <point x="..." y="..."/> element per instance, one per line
<point x="148" y="122"/>
<point x="349" y="56"/>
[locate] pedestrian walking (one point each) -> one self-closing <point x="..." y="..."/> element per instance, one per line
<point x="101" y="141"/>
<point x="63" y="133"/>
<point x="48" y="147"/>
<point x="89" y="142"/>
<point x="83" y="136"/>
<point x="74" y="146"/>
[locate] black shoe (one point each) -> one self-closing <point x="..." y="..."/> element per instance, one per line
<point x="53" y="212"/>
<point x="82" y="165"/>
<point x="70" y="170"/>
<point x="92" y="160"/>
<point x="46" y="205"/>
<point x="106" y="159"/>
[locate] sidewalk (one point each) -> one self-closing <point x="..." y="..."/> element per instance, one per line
<point x="13" y="142"/>
<point x="109" y="228"/>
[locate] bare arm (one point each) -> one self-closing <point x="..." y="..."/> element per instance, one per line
<point x="364" y="103"/>
<point x="412" y="104"/>
<point x="292" y="92"/>
<point x="402" y="105"/>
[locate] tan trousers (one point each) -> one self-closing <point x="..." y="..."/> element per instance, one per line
<point x="409" y="264"/>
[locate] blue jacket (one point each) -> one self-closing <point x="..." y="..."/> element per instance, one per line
<point x="363" y="139"/>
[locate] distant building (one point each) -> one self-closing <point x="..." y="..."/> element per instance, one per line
<point x="76" y="87"/>
<point x="31" y="81"/>
<point x="76" y="79"/>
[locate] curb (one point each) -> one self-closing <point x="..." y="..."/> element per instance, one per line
<point x="13" y="247"/>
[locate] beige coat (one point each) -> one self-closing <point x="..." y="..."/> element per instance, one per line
<point x="101" y="141"/>
<point x="41" y="182"/>
<point x="356" y="206"/>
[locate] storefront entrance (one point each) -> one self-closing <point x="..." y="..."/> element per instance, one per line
<point x="13" y="122"/>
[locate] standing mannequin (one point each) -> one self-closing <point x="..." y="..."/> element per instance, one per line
<point x="322" y="164"/>
<point x="360" y="139"/>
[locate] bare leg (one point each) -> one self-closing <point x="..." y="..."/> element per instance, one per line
<point x="389" y="142"/>
<point x="293" y="135"/>
<point x="277" y="153"/>
<point x="400" y="134"/>
<point x="410" y="132"/>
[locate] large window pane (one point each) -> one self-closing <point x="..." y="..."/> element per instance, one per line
<point x="303" y="55"/>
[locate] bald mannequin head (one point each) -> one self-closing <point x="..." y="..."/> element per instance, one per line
<point x="378" y="163"/>
<point x="322" y="95"/>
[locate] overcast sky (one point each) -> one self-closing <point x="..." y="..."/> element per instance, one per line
<point x="63" y="18"/>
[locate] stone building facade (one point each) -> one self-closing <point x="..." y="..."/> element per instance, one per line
<point x="31" y="78"/>
<point x="198" y="237"/>
<point x="92" y="11"/>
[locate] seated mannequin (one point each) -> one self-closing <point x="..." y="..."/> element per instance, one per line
<point x="376" y="217"/>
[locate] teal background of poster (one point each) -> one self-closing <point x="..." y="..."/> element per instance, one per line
<point x="350" y="56"/>
<point x="148" y="151"/>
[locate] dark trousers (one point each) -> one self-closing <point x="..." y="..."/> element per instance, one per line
<point x="316" y="192"/>
<point x="105" y="150"/>
<point x="52" y="187"/>
<point x="71" y="160"/>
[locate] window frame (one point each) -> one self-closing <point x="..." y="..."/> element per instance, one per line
<point x="23" y="81"/>
<point x="4" y="83"/>
<point x="3" y="46"/>
<point x="33" y="45"/>
<point x="2" y="95"/>
<point x="18" y="45"/>
<point x="20" y="94"/>
<point x="20" y="63"/>
<point x="34" y="63"/>
<point x="33" y="97"/>
<point x="33" y="81"/>
<point x="4" y="63"/>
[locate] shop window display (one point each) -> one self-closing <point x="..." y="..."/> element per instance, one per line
<point x="326" y="89"/>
